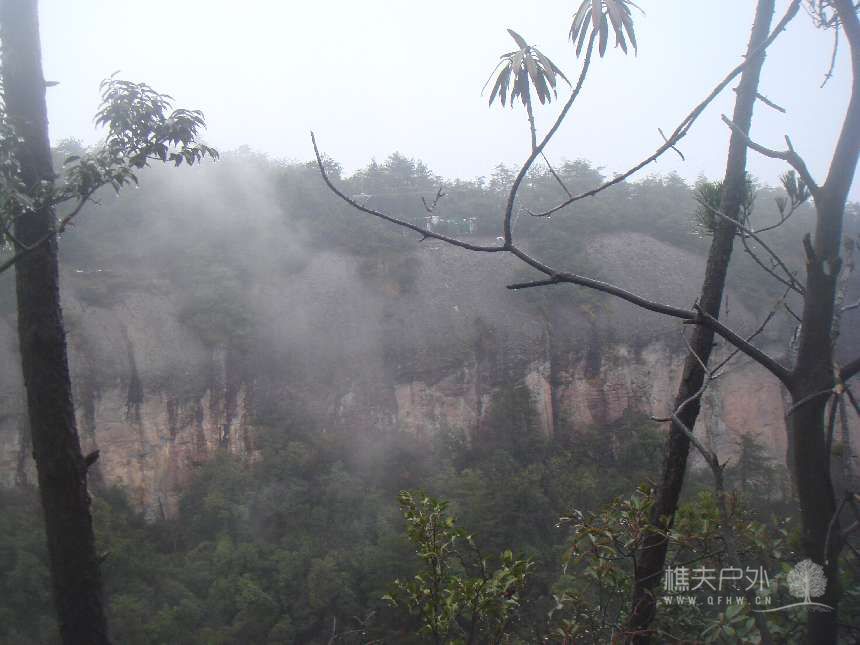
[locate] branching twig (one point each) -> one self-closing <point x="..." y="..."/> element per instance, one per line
<point x="717" y="470"/>
<point x="759" y="356"/>
<point x="850" y="369"/>
<point x="779" y="303"/>
<point x="792" y="282"/>
<point x="682" y="129"/>
<point x="431" y="207"/>
<point x="830" y="69"/>
<point x="538" y="149"/>
<point x="790" y="156"/>
<point x="26" y="249"/>
<point x="555" y="174"/>
<point x="769" y="103"/>
<point x="665" y="140"/>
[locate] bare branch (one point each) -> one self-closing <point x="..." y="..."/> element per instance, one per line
<point x="538" y="149"/>
<point x="27" y="249"/>
<point x="789" y="156"/>
<point x="712" y="459"/>
<point x="791" y="312"/>
<point x="769" y="103"/>
<point x="811" y="397"/>
<point x="850" y="369"/>
<point x="680" y="154"/>
<point x="791" y="283"/>
<point x="685" y="125"/>
<point x="831" y="425"/>
<point x="426" y="233"/>
<point x="759" y="356"/>
<point x="830" y="69"/>
<point x="555" y="174"/>
<point x="605" y="287"/>
<point x="853" y="400"/>
<point x="779" y="303"/>
<point x="431" y="207"/>
<point x="782" y="219"/>
<point x="748" y="232"/>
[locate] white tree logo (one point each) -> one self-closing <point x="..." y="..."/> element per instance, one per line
<point x="806" y="580"/>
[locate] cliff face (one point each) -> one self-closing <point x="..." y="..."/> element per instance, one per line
<point x="418" y="348"/>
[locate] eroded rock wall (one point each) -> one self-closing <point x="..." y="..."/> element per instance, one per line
<point x="357" y="348"/>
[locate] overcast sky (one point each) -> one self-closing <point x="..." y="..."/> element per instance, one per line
<point x="378" y="76"/>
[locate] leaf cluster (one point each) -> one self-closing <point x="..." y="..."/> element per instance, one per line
<point x="709" y="195"/>
<point x="141" y="127"/>
<point x="597" y="15"/>
<point x="457" y="596"/>
<point x="521" y="68"/>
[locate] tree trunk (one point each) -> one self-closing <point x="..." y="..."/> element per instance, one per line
<point x="61" y="467"/>
<point x="652" y="554"/>
<point x="814" y="371"/>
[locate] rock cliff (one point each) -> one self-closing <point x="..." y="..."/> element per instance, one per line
<point x="363" y="346"/>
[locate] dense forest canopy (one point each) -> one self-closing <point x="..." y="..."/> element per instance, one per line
<point x="303" y="541"/>
<point x="273" y="401"/>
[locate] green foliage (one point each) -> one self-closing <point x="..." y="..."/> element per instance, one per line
<point x="709" y="196"/>
<point x="796" y="193"/>
<point x="597" y="15"/>
<point x="307" y="538"/>
<point x="141" y="127"/>
<point x="457" y="596"/>
<point x="521" y="68"/>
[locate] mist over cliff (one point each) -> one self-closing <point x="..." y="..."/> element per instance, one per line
<point x="219" y="300"/>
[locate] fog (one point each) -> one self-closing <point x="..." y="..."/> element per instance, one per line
<point x="259" y="371"/>
<point x="378" y="76"/>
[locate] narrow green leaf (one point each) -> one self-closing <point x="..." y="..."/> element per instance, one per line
<point x="627" y="19"/>
<point x="579" y="44"/>
<point x="578" y="20"/>
<point x="546" y="65"/>
<point x="521" y="42"/>
<point x="596" y="6"/>
<point x="604" y="35"/>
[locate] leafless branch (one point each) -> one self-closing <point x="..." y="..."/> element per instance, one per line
<point x="853" y="400"/>
<point x="779" y="303"/>
<point x="538" y="149"/>
<point x="790" y="156"/>
<point x="831" y="426"/>
<point x="665" y="140"/>
<point x="25" y="249"/>
<point x="555" y="174"/>
<point x="830" y="69"/>
<point x="685" y="125"/>
<point x="783" y="218"/>
<point x="851" y="307"/>
<point x="431" y="207"/>
<point x="424" y="232"/>
<point x="850" y="369"/>
<point x="791" y="312"/>
<point x="769" y="103"/>
<point x="748" y="232"/>
<point x="811" y="397"/>
<point x="708" y="455"/>
<point x="791" y="283"/>
<point x="759" y="356"/>
<point x="717" y="470"/>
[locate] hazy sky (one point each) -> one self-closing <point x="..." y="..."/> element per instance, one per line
<point x="377" y="76"/>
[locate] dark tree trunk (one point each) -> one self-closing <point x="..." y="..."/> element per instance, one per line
<point x="813" y="371"/>
<point x="61" y="467"/>
<point x="652" y="554"/>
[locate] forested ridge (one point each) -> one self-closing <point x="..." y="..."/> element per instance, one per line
<point x="300" y="541"/>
